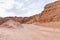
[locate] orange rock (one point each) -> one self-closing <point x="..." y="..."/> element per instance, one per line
<point x="11" y="24"/>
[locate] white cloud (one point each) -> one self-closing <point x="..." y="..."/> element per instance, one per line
<point x="7" y="4"/>
<point x="4" y="13"/>
<point x="26" y="0"/>
<point x="4" y="5"/>
<point x="19" y="5"/>
<point x="24" y="8"/>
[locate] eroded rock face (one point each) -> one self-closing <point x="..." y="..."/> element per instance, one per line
<point x="51" y="12"/>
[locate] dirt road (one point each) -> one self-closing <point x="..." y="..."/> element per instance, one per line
<point x="30" y="32"/>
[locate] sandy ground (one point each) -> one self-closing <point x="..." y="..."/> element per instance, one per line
<point x="29" y="32"/>
<point x="50" y="24"/>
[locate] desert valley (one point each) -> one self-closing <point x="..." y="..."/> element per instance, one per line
<point x="43" y="26"/>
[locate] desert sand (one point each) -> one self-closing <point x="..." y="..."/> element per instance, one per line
<point x="29" y="32"/>
<point x="12" y="30"/>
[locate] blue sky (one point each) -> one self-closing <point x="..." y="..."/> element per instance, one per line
<point x="22" y="7"/>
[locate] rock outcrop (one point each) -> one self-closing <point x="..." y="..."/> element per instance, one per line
<point x="11" y="24"/>
<point x="51" y="13"/>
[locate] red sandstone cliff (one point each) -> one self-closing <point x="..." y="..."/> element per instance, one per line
<point x="51" y="13"/>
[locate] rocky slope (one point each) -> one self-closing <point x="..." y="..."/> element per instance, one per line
<point x="51" y="13"/>
<point x="11" y="24"/>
